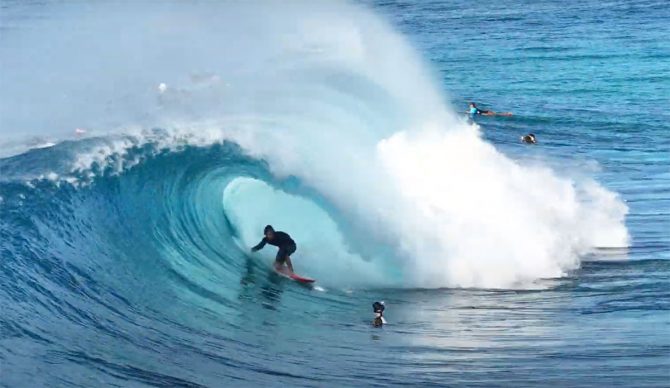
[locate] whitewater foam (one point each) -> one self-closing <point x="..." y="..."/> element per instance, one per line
<point x="477" y="218"/>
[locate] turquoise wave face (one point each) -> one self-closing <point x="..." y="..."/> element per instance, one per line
<point x="158" y="228"/>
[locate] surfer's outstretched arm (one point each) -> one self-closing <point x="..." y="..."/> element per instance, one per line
<point x="260" y="245"/>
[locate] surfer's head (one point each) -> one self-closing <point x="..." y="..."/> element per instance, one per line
<point x="473" y="105"/>
<point x="269" y="232"/>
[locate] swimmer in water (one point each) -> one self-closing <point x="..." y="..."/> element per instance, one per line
<point x="378" y="309"/>
<point x="529" y="139"/>
<point x="473" y="111"/>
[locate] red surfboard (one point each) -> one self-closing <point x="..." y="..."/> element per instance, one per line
<point x="301" y="279"/>
<point x="297" y="278"/>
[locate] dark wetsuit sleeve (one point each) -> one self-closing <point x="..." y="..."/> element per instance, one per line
<point x="260" y="245"/>
<point x="282" y="239"/>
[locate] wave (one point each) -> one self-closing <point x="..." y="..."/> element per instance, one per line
<point x="333" y="130"/>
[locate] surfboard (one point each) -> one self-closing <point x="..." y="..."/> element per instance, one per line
<point x="295" y="277"/>
<point x="301" y="279"/>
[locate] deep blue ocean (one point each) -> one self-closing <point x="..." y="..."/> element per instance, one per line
<point x="144" y="145"/>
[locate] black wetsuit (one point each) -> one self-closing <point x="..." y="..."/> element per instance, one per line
<point x="281" y="240"/>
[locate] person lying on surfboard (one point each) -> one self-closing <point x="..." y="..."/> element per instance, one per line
<point x="285" y="244"/>
<point x="473" y="111"/>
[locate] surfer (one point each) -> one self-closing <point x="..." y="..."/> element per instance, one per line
<point x="281" y="240"/>
<point x="473" y="111"/>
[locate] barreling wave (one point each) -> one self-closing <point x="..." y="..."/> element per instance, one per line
<point x="331" y="129"/>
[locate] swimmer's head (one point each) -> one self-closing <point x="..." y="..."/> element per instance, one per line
<point x="529" y="139"/>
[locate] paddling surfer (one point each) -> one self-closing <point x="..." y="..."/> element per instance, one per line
<point x="473" y="111"/>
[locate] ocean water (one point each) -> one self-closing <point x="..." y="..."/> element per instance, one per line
<point x="145" y="145"/>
